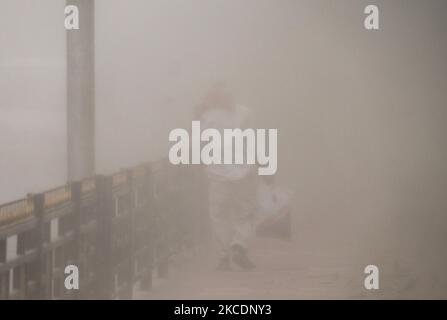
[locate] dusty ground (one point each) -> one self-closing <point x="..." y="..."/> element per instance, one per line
<point x="284" y="271"/>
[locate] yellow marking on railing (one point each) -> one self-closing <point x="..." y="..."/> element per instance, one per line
<point x="57" y="196"/>
<point x="24" y="208"/>
<point x="16" y="211"/>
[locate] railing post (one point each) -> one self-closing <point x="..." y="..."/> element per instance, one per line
<point x="146" y="281"/>
<point x="131" y="233"/>
<point x="76" y="198"/>
<point x="105" y="213"/>
<point x="41" y="274"/>
<point x="162" y="222"/>
<point x="163" y="263"/>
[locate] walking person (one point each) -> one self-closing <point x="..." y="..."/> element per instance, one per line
<point x="232" y="187"/>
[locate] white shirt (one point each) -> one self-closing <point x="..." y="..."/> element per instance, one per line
<point x="220" y="119"/>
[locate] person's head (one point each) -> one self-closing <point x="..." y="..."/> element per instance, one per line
<point x="217" y="98"/>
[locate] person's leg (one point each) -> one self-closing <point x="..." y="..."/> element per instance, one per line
<point x="220" y="216"/>
<point x="243" y="220"/>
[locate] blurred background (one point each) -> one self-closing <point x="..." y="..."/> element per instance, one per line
<point x="360" y="114"/>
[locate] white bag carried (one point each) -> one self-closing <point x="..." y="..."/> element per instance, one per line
<point x="273" y="213"/>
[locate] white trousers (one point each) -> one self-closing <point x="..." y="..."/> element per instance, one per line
<point x="233" y="211"/>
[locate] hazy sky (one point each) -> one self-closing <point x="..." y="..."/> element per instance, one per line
<point x="361" y="115"/>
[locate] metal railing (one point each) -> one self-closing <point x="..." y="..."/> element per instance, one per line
<point x="116" y="229"/>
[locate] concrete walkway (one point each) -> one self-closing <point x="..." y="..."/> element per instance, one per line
<point x="317" y="263"/>
<point x="284" y="271"/>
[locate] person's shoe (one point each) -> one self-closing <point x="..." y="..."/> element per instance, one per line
<point x="224" y="264"/>
<point x="240" y="258"/>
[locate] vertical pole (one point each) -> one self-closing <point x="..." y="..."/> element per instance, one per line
<point x="76" y="193"/>
<point x="41" y="272"/>
<point x="131" y="231"/>
<point x="105" y="213"/>
<point x="163" y="223"/>
<point x="81" y="93"/>
<point x="146" y="282"/>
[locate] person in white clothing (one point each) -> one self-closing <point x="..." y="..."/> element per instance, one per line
<point x="232" y="187"/>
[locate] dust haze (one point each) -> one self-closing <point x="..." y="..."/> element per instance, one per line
<point x="361" y="116"/>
